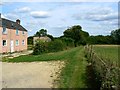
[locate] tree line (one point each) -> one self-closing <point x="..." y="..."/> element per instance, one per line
<point x="75" y="35"/>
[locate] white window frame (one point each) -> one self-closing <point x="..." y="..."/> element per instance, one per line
<point x="5" y="30"/>
<point x="17" y="43"/>
<point x="23" y="42"/>
<point x="2" y="43"/>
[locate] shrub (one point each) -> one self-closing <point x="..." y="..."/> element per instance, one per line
<point x="56" y="45"/>
<point x="68" y="41"/>
<point x="40" y="47"/>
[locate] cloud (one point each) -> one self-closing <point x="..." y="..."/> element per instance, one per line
<point x="40" y="14"/>
<point x="110" y="16"/>
<point x="23" y="10"/>
<point x="2" y="16"/>
<point x="11" y="16"/>
<point x="97" y="14"/>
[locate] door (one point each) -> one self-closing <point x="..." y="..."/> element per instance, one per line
<point x="12" y="46"/>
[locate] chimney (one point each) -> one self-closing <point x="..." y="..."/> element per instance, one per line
<point x="18" y="21"/>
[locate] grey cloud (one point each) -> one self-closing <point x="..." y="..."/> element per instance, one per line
<point x="96" y="17"/>
<point x="97" y="14"/>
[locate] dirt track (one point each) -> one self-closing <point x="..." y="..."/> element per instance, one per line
<point x="30" y="75"/>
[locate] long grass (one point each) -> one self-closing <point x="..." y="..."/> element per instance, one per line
<point x="108" y="52"/>
<point x="72" y="75"/>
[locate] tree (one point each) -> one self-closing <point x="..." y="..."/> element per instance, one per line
<point x="41" y="33"/>
<point x="100" y="39"/>
<point x="30" y="40"/>
<point x="50" y="36"/>
<point x="76" y="33"/>
<point x="116" y="36"/>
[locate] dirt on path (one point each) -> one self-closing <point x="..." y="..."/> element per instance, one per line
<point x="30" y="75"/>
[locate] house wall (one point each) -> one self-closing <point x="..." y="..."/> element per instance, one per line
<point x="11" y="35"/>
<point x="44" y="39"/>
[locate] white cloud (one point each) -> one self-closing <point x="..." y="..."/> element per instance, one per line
<point x="40" y="14"/>
<point x="2" y="16"/>
<point x="97" y="14"/>
<point x="23" y="9"/>
<point x="11" y="16"/>
<point x="103" y="17"/>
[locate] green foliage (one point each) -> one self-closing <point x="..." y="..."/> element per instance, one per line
<point x="30" y="40"/>
<point x="45" y="47"/>
<point x="51" y="37"/>
<point x="68" y="41"/>
<point x="116" y="36"/>
<point x="76" y="33"/>
<point x="56" y="45"/>
<point x="41" y="33"/>
<point x="40" y="47"/>
<point x="100" y="40"/>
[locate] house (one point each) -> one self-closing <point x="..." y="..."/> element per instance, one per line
<point x="44" y="39"/>
<point x="13" y="36"/>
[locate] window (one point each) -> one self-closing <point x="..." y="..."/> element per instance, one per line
<point x="23" y="32"/>
<point x="4" y="42"/>
<point x="23" y="42"/>
<point x="17" y="32"/>
<point x="4" y="30"/>
<point x="17" y="42"/>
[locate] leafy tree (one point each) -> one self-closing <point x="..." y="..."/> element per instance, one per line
<point x="68" y="41"/>
<point x="116" y="36"/>
<point x="99" y="39"/>
<point x="30" y="40"/>
<point x="51" y="37"/>
<point x="76" y="33"/>
<point x="41" y="33"/>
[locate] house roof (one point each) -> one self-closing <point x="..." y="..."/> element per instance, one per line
<point x="11" y="24"/>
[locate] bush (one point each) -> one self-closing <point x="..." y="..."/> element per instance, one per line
<point x="40" y="47"/>
<point x="68" y="41"/>
<point x="56" y="45"/>
<point x="44" y="47"/>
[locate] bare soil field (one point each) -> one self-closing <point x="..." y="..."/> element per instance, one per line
<point x="30" y="75"/>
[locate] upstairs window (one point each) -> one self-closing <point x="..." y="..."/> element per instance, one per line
<point x="17" y="42"/>
<point x="23" y="42"/>
<point x="17" y="31"/>
<point x="23" y="32"/>
<point x="4" y="42"/>
<point x="4" y="30"/>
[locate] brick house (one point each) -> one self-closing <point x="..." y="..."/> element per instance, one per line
<point x="13" y="37"/>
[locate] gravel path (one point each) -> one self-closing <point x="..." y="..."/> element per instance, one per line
<point x="30" y="75"/>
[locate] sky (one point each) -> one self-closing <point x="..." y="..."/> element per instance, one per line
<point x="97" y="18"/>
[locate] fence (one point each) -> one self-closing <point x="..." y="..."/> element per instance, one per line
<point x="107" y="70"/>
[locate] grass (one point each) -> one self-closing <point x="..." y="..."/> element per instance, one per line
<point x="72" y="75"/>
<point x="108" y="52"/>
